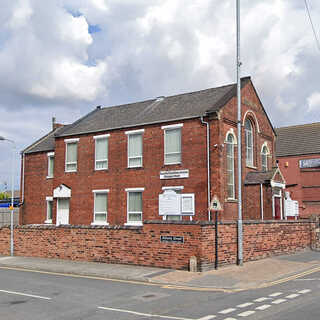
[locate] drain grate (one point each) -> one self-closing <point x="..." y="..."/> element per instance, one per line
<point x="150" y="296"/>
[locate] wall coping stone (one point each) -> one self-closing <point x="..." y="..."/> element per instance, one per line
<point x="48" y="227"/>
<point x="201" y="223"/>
<point x="146" y="222"/>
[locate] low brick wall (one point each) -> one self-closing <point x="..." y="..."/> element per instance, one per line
<point x="142" y="245"/>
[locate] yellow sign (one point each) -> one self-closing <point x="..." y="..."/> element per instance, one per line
<point x="11" y="208"/>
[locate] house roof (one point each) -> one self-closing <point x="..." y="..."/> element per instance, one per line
<point x="298" y="140"/>
<point x="164" y="109"/>
<point x="45" y="143"/>
<point x="260" y="177"/>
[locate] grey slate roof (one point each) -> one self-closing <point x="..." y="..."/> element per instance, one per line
<point x="178" y="107"/>
<point x="45" y="143"/>
<point x="259" y="177"/>
<point x="298" y="140"/>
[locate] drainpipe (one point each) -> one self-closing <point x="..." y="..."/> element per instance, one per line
<point x="261" y="200"/>
<point x="22" y="180"/>
<point x="208" y="163"/>
<point x="22" y="189"/>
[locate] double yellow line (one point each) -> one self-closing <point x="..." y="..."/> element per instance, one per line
<point x="296" y="276"/>
<point x="170" y="286"/>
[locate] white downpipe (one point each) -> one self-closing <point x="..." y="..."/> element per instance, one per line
<point x="208" y="164"/>
<point x="261" y="201"/>
<point x="22" y="182"/>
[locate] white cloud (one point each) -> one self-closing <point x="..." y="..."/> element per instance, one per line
<point x="51" y="65"/>
<point x="47" y="58"/>
<point x="21" y="14"/>
<point x="314" y="102"/>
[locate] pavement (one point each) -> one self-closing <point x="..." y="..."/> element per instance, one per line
<point x="253" y="274"/>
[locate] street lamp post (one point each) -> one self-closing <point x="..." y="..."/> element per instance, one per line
<point x="12" y="193"/>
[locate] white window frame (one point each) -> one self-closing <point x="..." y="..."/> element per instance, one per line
<point x="187" y="195"/>
<point x="249" y="136"/>
<point x="264" y="155"/>
<point x="70" y="141"/>
<point x="232" y="172"/>
<point x="102" y="136"/>
<point x="49" y="199"/>
<point x="166" y="129"/>
<point x="132" y="133"/>
<point x="134" y="223"/>
<point x="50" y="156"/>
<point x="104" y="223"/>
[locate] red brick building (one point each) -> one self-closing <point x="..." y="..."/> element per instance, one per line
<point x="298" y="154"/>
<point x="150" y="160"/>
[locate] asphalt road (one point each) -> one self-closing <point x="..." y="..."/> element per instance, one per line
<point x="31" y="295"/>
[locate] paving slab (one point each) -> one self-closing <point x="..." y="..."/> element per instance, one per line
<point x="95" y="269"/>
<point x="251" y="275"/>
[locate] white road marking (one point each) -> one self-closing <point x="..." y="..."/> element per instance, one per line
<point x="304" y="291"/>
<point x="246" y="313"/>
<point x="278" y="301"/>
<point x="276" y="294"/>
<point x="25" y="294"/>
<point x="244" y="305"/>
<point x="263" y="307"/>
<point x="292" y="296"/>
<point x="230" y="319"/>
<point x="207" y="317"/>
<point x="261" y="299"/>
<point x="227" y="311"/>
<point x="144" y="314"/>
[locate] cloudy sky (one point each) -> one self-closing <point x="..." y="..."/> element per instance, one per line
<point x="64" y="57"/>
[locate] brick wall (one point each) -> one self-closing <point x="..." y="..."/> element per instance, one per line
<point x="37" y="188"/>
<point x="142" y="246"/>
<point x="303" y="184"/>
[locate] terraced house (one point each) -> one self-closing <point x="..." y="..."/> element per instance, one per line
<point x="160" y="159"/>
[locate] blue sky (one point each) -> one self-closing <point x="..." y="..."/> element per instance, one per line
<point x="64" y="57"/>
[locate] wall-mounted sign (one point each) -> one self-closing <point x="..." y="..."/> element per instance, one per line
<point x="175" y="239"/>
<point x="309" y="163"/>
<point x="215" y="204"/>
<point x="172" y="203"/>
<point x="174" y="174"/>
<point x="169" y="203"/>
<point x="291" y="208"/>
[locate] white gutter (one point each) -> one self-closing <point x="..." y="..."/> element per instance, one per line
<point x="208" y="164"/>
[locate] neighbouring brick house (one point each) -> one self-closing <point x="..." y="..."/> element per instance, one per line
<point x="298" y="155"/>
<point x="148" y="160"/>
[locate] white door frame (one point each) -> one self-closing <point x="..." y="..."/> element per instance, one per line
<point x="57" y="215"/>
<point x="273" y="205"/>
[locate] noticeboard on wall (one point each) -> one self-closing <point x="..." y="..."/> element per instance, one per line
<point x="291" y="208"/>
<point x="172" y="203"/>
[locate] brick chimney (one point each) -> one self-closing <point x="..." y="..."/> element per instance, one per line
<point x="55" y="125"/>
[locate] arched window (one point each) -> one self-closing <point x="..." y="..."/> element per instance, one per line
<point x="264" y="158"/>
<point x="230" y="166"/>
<point x="249" y="142"/>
